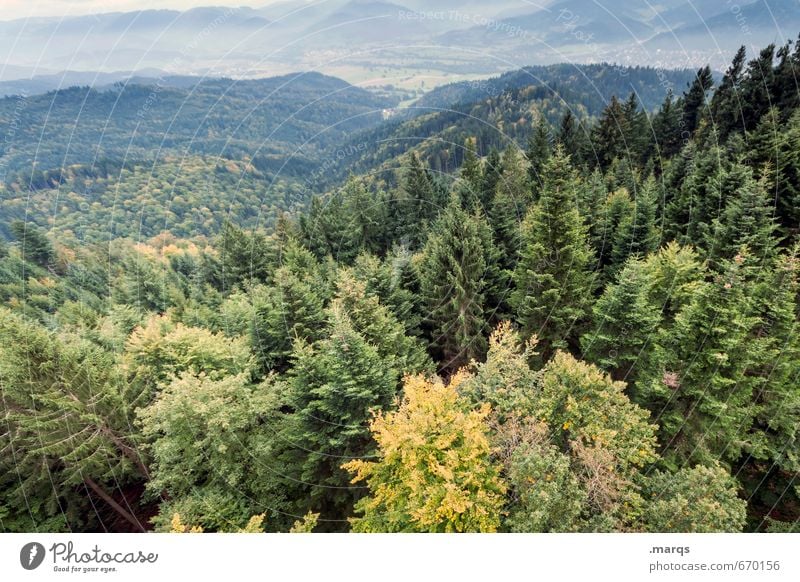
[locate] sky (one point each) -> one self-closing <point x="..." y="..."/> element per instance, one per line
<point x="12" y="9"/>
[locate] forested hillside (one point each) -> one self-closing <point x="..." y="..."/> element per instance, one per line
<point x="594" y="332"/>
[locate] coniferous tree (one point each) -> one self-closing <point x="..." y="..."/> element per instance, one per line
<point x="726" y="104"/>
<point x="748" y="218"/>
<point x="459" y="277"/>
<point x="608" y="135"/>
<point x="510" y="202"/>
<point x="68" y="437"/>
<point x="470" y="184"/>
<point x="568" y="134"/>
<point x="414" y="205"/>
<point x="335" y="386"/>
<point x="553" y="277"/>
<point x="291" y="310"/>
<point x="666" y="126"/>
<point x="699" y="381"/>
<point x="636" y="233"/>
<point x="34" y="245"/>
<point x="758" y="87"/>
<point x="378" y="325"/>
<point x="694" y="100"/>
<point x="624" y="324"/>
<point x="492" y="174"/>
<point x="538" y="152"/>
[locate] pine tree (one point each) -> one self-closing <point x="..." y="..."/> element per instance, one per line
<point x="458" y="280"/>
<point x="245" y="257"/>
<point x="699" y="199"/>
<point x="492" y="175"/>
<point x="777" y="426"/>
<point x="569" y="134"/>
<point x="553" y="276"/>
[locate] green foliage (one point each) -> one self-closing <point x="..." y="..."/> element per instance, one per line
<point x="160" y="350"/>
<point x="67" y="425"/>
<point x="553" y="277"/>
<point x="458" y="276"/>
<point x="34" y="244"/>
<point x="207" y="438"/>
<point x="290" y="310"/>
<point x="334" y="387"/>
<point x="699" y="499"/>
<point x="624" y="323"/>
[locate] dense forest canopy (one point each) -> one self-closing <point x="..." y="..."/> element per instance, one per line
<point x="596" y="331"/>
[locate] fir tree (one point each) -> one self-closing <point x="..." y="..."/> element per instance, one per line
<point x="335" y="386"/>
<point x="624" y="324"/>
<point x="747" y="218"/>
<point x="636" y="234"/>
<point x="553" y="276"/>
<point x="510" y="202"/>
<point x="458" y="279"/>
<point x="694" y="100"/>
<point x="538" y="152"/>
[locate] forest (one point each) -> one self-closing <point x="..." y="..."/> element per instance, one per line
<point x="595" y="332"/>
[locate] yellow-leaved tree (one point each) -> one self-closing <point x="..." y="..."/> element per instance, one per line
<point x="434" y="472"/>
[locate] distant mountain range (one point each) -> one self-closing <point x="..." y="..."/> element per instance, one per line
<point x="403" y="42"/>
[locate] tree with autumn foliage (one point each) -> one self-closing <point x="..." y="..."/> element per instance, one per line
<point x="434" y="471"/>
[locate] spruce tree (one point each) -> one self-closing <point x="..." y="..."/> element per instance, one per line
<point x="379" y="326"/>
<point x="608" y="135"/>
<point x="553" y="277"/>
<point x="748" y="218"/>
<point x="636" y="234"/>
<point x="624" y="324"/>
<point x="700" y="382"/>
<point x="460" y="283"/>
<point x="470" y="183"/>
<point x="510" y="202"/>
<point x="67" y="430"/>
<point x="726" y="104"/>
<point x="335" y="386"/>
<point x="34" y="245"/>
<point x="291" y="310"/>
<point x="538" y="152"/>
<point x="694" y="100"/>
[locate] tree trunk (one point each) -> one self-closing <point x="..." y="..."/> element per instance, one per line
<point x="116" y="506"/>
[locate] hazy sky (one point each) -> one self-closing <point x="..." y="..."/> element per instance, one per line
<point x="10" y="9"/>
